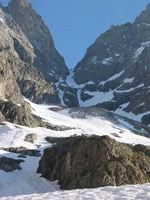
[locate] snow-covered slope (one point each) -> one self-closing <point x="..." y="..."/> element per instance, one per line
<point x="130" y="192"/>
<point x="82" y="121"/>
<point x="92" y="94"/>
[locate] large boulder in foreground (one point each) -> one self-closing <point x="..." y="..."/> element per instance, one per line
<point x="89" y="162"/>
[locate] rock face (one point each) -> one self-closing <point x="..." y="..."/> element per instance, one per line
<point x="17" y="114"/>
<point x="17" y="69"/>
<point x="47" y="57"/>
<point x="115" y="69"/>
<point x="8" y="86"/>
<point x="88" y="162"/>
<point x="27" y="46"/>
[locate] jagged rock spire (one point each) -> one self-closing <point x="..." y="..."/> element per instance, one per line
<point x="144" y="17"/>
<point x="39" y="36"/>
<point x="23" y="3"/>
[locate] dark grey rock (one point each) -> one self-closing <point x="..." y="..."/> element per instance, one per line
<point x="9" y="164"/>
<point x="57" y="108"/>
<point x="85" y="96"/>
<point x="146" y="119"/>
<point x="31" y="137"/>
<point x="21" y="156"/>
<point x="23" y="151"/>
<point x="58" y="140"/>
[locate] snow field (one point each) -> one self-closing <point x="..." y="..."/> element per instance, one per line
<point x="29" y="185"/>
<point x="129" y="192"/>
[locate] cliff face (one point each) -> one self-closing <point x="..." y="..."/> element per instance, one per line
<point x="48" y="60"/>
<point x="19" y="55"/>
<point x="8" y="86"/>
<point x="37" y="67"/>
<point x="115" y="70"/>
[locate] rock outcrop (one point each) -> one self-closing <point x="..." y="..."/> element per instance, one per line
<point x="21" y="115"/>
<point x="31" y="137"/>
<point x="18" y="114"/>
<point x="88" y="162"/>
<point x="10" y="164"/>
<point x="23" y="151"/>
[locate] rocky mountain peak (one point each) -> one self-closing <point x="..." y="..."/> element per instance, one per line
<point x="34" y="28"/>
<point x="148" y="7"/>
<point x="30" y="53"/>
<point x="19" y="3"/>
<point x="144" y="17"/>
<point x="114" y="71"/>
<point x="0" y="4"/>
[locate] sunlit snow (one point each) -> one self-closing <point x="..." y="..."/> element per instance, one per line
<point x="27" y="182"/>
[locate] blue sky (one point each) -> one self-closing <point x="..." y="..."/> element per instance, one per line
<point x="75" y="24"/>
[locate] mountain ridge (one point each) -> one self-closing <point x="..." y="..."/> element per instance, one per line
<point x="116" y="70"/>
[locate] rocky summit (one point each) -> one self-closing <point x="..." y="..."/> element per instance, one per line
<point x="114" y="73"/>
<point x="47" y="59"/>
<point x="37" y="71"/>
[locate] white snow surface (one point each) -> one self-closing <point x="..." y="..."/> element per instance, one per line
<point x="112" y="78"/>
<point x="107" y="61"/>
<point x="131" y="89"/>
<point x="140" y="50"/>
<point x="94" y="60"/>
<point x="98" y="97"/>
<point x="27" y="184"/>
<point x="130" y="115"/>
<point x="129" y="192"/>
<point x="128" y="80"/>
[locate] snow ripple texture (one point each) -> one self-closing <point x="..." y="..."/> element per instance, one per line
<point x="140" y="192"/>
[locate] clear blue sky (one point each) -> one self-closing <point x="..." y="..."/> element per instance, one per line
<point x="75" y="24"/>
